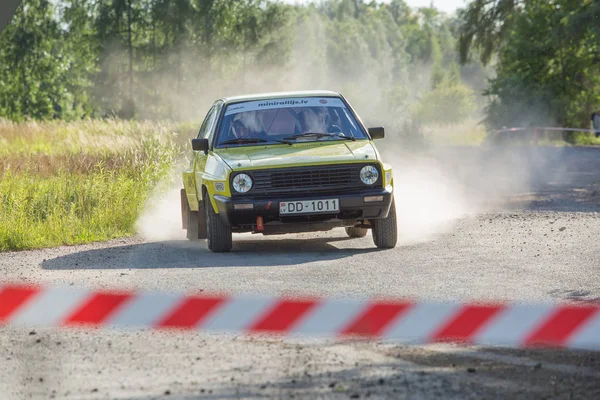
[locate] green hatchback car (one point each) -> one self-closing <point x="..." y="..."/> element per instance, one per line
<point x="286" y="163"/>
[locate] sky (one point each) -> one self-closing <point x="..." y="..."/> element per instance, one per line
<point x="448" y="6"/>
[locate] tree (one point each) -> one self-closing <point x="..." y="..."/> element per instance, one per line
<point x="546" y="73"/>
<point x="40" y="77"/>
<point x="118" y="24"/>
<point x="81" y="46"/>
<point x="161" y="59"/>
<point x="485" y="25"/>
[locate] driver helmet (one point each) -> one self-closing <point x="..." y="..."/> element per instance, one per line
<point x="239" y="129"/>
<point x="246" y="124"/>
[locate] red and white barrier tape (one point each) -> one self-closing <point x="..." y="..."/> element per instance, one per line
<point x="546" y="128"/>
<point x="536" y="130"/>
<point x="518" y="325"/>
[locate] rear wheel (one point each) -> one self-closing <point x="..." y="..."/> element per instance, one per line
<point x="192" y="221"/>
<point x="192" y="226"/>
<point x="219" y="238"/>
<point x="385" y="231"/>
<point x="189" y="218"/>
<point x="355" y="232"/>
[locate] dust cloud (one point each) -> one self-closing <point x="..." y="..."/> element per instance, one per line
<point x="428" y="199"/>
<point x="435" y="186"/>
<point x="161" y="218"/>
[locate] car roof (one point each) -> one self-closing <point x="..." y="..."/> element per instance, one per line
<point x="278" y="95"/>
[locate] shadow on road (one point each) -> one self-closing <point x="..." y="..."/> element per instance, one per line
<point x="576" y="295"/>
<point x="186" y="254"/>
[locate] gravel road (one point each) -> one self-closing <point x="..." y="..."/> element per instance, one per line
<point x="536" y="238"/>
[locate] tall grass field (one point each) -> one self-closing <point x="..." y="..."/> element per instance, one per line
<point x="70" y="183"/>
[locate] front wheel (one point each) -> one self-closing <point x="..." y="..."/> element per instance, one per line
<point x="219" y="238"/>
<point x="385" y="231"/>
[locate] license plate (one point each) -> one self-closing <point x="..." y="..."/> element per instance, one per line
<point x="309" y="206"/>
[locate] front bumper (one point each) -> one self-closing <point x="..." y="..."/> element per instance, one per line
<point x="353" y="210"/>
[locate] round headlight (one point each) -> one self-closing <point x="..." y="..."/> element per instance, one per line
<point x="369" y="175"/>
<point x="242" y="183"/>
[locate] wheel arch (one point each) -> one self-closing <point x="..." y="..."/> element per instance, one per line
<point x="189" y="187"/>
<point x="207" y="194"/>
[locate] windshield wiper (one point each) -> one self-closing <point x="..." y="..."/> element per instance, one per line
<point x="319" y="135"/>
<point x="254" y="140"/>
<point x="244" y="140"/>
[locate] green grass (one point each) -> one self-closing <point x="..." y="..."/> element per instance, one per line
<point x="81" y="182"/>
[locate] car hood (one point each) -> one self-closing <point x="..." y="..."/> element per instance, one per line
<point x="298" y="154"/>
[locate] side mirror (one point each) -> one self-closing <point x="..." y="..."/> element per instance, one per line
<point x="377" y="133"/>
<point x="200" y="144"/>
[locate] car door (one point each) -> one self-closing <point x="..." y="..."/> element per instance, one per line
<point x="206" y="131"/>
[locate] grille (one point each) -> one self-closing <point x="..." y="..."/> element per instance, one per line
<point x="303" y="179"/>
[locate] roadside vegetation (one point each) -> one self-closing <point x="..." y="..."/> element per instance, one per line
<point x="69" y="183"/>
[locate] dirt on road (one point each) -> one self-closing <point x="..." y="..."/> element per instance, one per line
<point x="536" y="238"/>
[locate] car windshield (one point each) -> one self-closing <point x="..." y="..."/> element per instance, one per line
<point x="289" y="121"/>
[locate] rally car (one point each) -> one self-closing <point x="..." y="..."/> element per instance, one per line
<point x="286" y="163"/>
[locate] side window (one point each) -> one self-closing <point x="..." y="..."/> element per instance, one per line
<point x="212" y="122"/>
<point x="204" y="129"/>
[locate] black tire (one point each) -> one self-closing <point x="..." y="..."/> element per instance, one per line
<point x="385" y="231"/>
<point x="218" y="236"/>
<point x="192" y="221"/>
<point x="192" y="226"/>
<point x="355" y="232"/>
<point x="189" y="218"/>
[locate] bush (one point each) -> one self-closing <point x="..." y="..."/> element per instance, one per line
<point x="447" y="103"/>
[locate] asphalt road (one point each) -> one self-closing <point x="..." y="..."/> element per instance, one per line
<point x="476" y="224"/>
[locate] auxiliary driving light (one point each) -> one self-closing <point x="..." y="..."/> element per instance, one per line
<point x="370" y="199"/>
